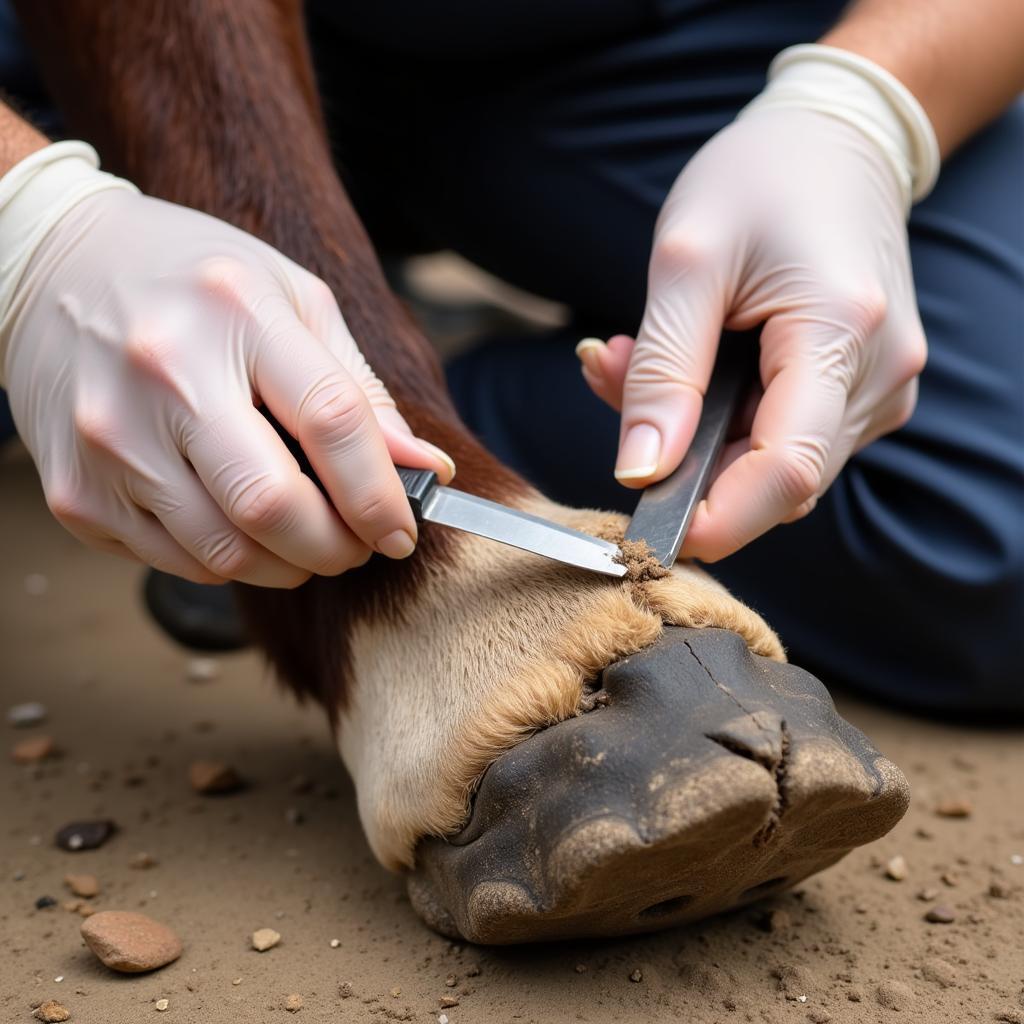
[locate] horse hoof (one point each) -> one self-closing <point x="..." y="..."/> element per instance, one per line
<point x="700" y="777"/>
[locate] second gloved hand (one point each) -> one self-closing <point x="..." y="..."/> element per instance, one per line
<point x="793" y="216"/>
<point x="138" y="339"/>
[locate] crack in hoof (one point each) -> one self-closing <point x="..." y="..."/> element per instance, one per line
<point x="777" y="767"/>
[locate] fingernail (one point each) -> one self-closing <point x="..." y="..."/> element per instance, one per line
<point x="639" y="454"/>
<point x="587" y="353"/>
<point x="396" y="545"/>
<point x="438" y="453"/>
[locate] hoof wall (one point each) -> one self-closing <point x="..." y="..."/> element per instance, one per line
<point x="703" y="778"/>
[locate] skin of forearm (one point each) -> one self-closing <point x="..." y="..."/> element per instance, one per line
<point x="18" y="139"/>
<point x="962" y="59"/>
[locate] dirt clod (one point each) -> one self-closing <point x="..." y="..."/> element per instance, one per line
<point x="636" y="975"/>
<point x="86" y="886"/>
<point x="34" y="750"/>
<point x="641" y="565"/>
<point x="894" y="995"/>
<point x="953" y="808"/>
<point x="939" y="971"/>
<point x="294" y="1003"/>
<point x="52" y="1012"/>
<point x="214" y="777"/>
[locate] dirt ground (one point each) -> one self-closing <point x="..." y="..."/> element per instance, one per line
<point x="287" y="853"/>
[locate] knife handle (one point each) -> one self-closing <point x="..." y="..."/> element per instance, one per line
<point x="418" y="484"/>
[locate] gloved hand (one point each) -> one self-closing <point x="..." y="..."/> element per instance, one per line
<point x="792" y="216"/>
<point x="137" y="338"/>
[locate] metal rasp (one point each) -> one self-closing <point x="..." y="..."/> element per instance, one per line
<point x="665" y="510"/>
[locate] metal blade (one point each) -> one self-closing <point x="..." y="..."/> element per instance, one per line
<point x="529" y="533"/>
<point x="664" y="512"/>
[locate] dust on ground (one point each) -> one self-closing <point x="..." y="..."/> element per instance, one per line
<point x="130" y="714"/>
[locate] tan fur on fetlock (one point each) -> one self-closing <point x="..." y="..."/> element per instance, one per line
<point x="489" y="651"/>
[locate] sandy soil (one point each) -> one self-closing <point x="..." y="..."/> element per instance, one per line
<point x="129" y="722"/>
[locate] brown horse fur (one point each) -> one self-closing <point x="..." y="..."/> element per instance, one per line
<point x="459" y="651"/>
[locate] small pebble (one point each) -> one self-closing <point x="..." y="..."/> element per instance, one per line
<point x="940" y="914"/>
<point x="447" y="1002"/>
<point x="162" y="1004"/>
<point x="236" y="981"/>
<point x="927" y="895"/>
<point x="293" y="1003"/>
<point x="86" y="886"/>
<point x="84" y="835"/>
<point x="210" y="777"/>
<point x="999" y="891"/>
<point x="142" y="861"/>
<point x="950" y="878"/>
<point x="130" y="943"/>
<point x="34" y="750"/>
<point x="345" y="990"/>
<point x="201" y="670"/>
<point x="264" y="939"/>
<point x="581" y="968"/>
<point x="1017" y="859"/>
<point x="294" y="816"/>
<point x="896" y="869"/>
<point x="335" y="943"/>
<point x="44" y="902"/>
<point x="22" y="716"/>
<point x="52" y="1012"/>
<point x="451" y="981"/>
<point x="819" y="1016"/>
<point x="636" y="975"/>
<point x="442" y="1018"/>
<point x="953" y="809"/>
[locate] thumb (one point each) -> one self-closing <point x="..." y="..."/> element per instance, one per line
<point x="671" y="362"/>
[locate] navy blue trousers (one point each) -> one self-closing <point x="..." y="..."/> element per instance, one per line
<point x="541" y="145"/>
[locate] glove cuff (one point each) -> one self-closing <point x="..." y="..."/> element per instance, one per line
<point x="848" y="86"/>
<point x="34" y="195"/>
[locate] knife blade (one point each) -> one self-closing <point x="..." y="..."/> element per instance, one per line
<point x="665" y="509"/>
<point x="434" y="503"/>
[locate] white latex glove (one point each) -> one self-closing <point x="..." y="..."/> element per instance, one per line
<point x="793" y="216"/>
<point x="137" y="338"/>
